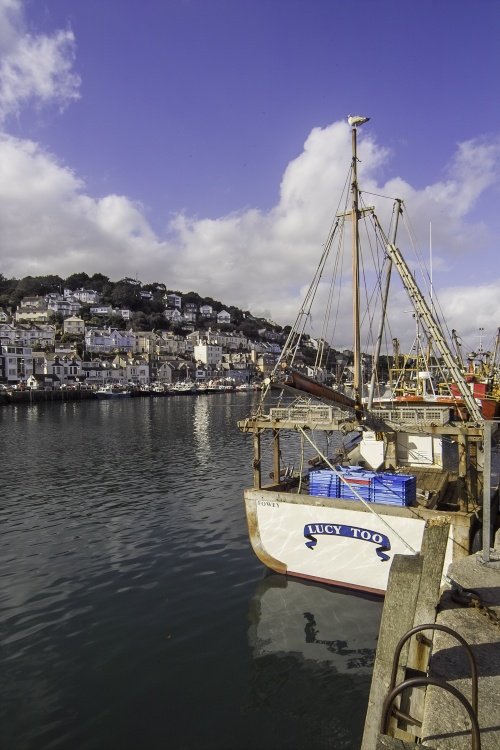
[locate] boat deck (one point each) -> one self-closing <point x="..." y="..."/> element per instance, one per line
<point x="435" y="487"/>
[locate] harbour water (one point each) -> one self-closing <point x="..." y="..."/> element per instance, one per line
<point x="133" y="612"/>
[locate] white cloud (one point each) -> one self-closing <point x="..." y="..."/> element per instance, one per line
<point x="262" y="261"/>
<point x="33" y="69"/>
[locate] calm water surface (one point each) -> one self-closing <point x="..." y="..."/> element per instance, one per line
<point x="133" y="612"/>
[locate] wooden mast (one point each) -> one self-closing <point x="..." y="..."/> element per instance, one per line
<point x="355" y="276"/>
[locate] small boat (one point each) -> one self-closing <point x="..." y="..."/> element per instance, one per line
<point x="244" y="387"/>
<point x="183" y="388"/>
<point x="159" y="389"/>
<point x="381" y="468"/>
<point x="112" y="391"/>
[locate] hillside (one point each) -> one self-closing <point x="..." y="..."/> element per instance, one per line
<point x="147" y="314"/>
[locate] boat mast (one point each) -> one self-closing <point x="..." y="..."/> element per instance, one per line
<point x="376" y="357"/>
<point x="355" y="276"/>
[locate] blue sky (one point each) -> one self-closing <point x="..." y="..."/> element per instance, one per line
<point x="200" y="142"/>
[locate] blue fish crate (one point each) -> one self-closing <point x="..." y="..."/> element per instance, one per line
<point x="394" y="489"/>
<point x="356" y="484"/>
<point x="323" y="483"/>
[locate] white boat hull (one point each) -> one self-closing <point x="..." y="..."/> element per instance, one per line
<point x="337" y="541"/>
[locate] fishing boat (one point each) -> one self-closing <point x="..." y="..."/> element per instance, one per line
<point x="355" y="477"/>
<point x="183" y="388"/>
<point x="159" y="389"/>
<point x="112" y="391"/>
<point x="416" y="377"/>
<point x="244" y="387"/>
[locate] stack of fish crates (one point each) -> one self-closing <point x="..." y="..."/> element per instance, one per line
<point x="356" y="483"/>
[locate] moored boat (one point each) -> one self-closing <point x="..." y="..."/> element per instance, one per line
<point x="112" y="391"/>
<point x="183" y="388"/>
<point x="340" y="516"/>
<point x="159" y="389"/>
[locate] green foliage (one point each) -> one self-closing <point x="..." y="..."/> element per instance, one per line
<point x="125" y="294"/>
<point x="100" y="283"/>
<point x="78" y="281"/>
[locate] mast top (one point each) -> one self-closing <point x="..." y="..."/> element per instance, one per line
<point x="355" y="120"/>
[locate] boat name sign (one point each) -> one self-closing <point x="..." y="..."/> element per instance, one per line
<point x="353" y="532"/>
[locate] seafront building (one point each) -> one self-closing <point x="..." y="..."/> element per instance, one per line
<point x="31" y="356"/>
<point x="37" y="353"/>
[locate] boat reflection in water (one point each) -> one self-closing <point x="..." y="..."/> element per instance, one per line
<point x="316" y="623"/>
<point x="313" y="649"/>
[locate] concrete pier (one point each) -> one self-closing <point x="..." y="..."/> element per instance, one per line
<point x="446" y="724"/>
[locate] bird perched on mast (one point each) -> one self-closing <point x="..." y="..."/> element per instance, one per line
<point x="355" y="120"/>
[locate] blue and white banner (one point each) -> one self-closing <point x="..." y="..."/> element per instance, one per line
<point x="312" y="530"/>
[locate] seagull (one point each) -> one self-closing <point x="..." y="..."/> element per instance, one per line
<point x="355" y="120"/>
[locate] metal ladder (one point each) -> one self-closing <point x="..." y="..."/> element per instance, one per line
<point x="389" y="710"/>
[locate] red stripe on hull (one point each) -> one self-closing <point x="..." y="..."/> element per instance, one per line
<point x="339" y="584"/>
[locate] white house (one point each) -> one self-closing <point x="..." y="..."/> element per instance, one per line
<point x="223" y="317"/>
<point x="175" y="345"/>
<point x="101" y="310"/>
<point x="28" y="334"/>
<point x="65" y="307"/>
<point x="208" y="354"/>
<point x="17" y="363"/>
<point x="67" y="368"/>
<point x="206" y="311"/>
<point x="146" y="342"/>
<point x="109" y="340"/>
<point x="74" y="326"/>
<point x="87" y="296"/>
<point x="173" y="300"/>
<point x="32" y="313"/>
<point x="174" y="315"/>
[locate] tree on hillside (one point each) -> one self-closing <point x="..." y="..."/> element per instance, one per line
<point x="77" y="281"/>
<point x="140" y="322"/>
<point x="56" y="318"/>
<point x="98" y="282"/>
<point x="236" y="315"/>
<point x="158" y="321"/>
<point x="156" y="287"/>
<point x="7" y="286"/>
<point x="27" y="287"/>
<point x="116" y="321"/>
<point x="250" y="329"/>
<point x="126" y="295"/>
<point x="193" y="298"/>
